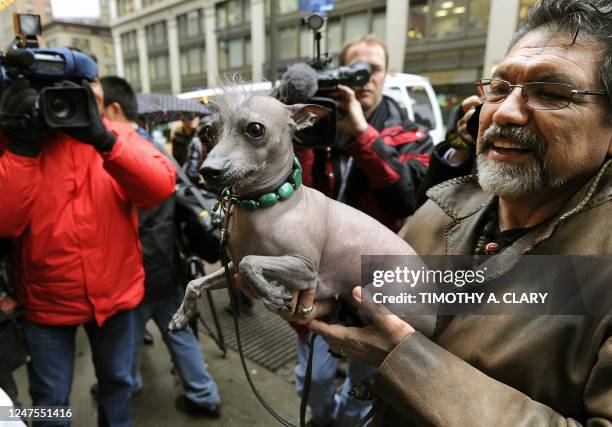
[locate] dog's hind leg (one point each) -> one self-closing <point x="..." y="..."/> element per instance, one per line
<point x="193" y="291"/>
<point x="271" y="277"/>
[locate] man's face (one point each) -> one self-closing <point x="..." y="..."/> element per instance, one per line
<point x="565" y="146"/>
<point x="369" y="96"/>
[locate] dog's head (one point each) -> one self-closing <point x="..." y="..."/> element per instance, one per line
<point x="254" y="138"/>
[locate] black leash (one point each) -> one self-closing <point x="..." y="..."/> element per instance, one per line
<point x="308" y="379"/>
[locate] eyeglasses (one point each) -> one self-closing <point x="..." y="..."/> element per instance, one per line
<point x="537" y="95"/>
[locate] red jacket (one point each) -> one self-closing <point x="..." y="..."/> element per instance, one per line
<point x="71" y="213"/>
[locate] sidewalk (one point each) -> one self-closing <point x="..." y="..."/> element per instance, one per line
<point x="155" y="406"/>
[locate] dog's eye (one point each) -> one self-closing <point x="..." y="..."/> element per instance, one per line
<point x="255" y="130"/>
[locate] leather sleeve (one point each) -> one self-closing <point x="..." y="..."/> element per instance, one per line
<point x="395" y="164"/>
<point x="19" y="183"/>
<point x="431" y="386"/>
<point x="144" y="174"/>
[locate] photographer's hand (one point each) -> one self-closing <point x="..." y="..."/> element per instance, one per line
<point x="20" y="119"/>
<point x="96" y="134"/>
<point x="354" y="122"/>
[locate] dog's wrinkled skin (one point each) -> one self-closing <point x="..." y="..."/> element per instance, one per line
<point x="304" y="242"/>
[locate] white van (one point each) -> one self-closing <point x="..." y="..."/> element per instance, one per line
<point x="416" y="97"/>
<point x="413" y="93"/>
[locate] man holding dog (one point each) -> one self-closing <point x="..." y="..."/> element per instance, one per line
<point x="543" y="187"/>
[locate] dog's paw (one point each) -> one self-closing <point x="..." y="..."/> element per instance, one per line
<point x="179" y="321"/>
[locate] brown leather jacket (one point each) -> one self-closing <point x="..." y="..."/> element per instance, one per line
<point x="504" y="370"/>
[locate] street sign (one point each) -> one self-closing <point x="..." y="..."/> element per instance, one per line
<point x="316" y="6"/>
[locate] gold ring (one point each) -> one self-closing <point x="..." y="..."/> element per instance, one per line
<point x="304" y="312"/>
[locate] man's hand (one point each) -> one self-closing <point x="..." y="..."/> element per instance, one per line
<point x="469" y="107"/>
<point x="21" y="120"/>
<point x="301" y="300"/>
<point x="371" y="343"/>
<point x="354" y="122"/>
<point x="96" y="134"/>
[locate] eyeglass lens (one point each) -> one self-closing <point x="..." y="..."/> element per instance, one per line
<point x="538" y="95"/>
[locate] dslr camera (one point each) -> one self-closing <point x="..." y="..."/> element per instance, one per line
<point x="323" y="133"/>
<point x="60" y="104"/>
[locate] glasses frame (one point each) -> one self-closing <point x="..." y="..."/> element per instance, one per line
<point x="480" y="84"/>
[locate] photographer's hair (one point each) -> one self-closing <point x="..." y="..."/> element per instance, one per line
<point x="369" y="39"/>
<point x="591" y="18"/>
<point x="117" y="89"/>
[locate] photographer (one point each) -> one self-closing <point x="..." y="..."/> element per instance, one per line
<point x="377" y="165"/>
<point x="69" y="200"/>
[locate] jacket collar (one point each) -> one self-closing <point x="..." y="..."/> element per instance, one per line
<point x="463" y="200"/>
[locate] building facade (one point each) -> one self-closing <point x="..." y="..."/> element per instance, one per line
<point x="181" y="45"/>
<point x="93" y="39"/>
<point x="7" y="7"/>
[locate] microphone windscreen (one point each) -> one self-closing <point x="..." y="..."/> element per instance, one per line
<point x="20" y="58"/>
<point x="298" y="84"/>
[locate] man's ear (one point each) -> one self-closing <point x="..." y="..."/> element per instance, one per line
<point x="113" y="111"/>
<point x="306" y="115"/>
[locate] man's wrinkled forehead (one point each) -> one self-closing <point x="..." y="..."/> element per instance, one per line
<point x="554" y="56"/>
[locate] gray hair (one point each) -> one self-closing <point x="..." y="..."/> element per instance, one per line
<point x="592" y="18"/>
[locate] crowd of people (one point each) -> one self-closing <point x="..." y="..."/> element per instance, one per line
<point x="527" y="171"/>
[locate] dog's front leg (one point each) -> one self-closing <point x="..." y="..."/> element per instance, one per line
<point x="194" y="289"/>
<point x="271" y="276"/>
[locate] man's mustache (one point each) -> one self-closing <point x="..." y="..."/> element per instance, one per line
<point x="515" y="134"/>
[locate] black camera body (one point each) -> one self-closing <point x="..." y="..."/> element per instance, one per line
<point x="60" y="104"/>
<point x="323" y="82"/>
<point x="356" y="74"/>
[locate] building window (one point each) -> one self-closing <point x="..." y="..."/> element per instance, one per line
<point x="108" y="50"/>
<point x="156" y="34"/>
<point x="191" y="24"/>
<point x="193" y="61"/>
<point x="288" y="43"/>
<point x="306" y="41"/>
<point x="51" y="43"/>
<point x="111" y="70"/>
<point x="125" y="7"/>
<point x="334" y="36"/>
<point x="355" y="25"/>
<point x="147" y="3"/>
<point x="128" y="42"/>
<point x="234" y="12"/>
<point x="379" y="21"/>
<point x="132" y="71"/>
<point x="478" y="18"/>
<point x="417" y="20"/>
<point x="221" y="15"/>
<point x="448" y="19"/>
<point x="235" y="53"/>
<point x="81" y="44"/>
<point x="287" y="6"/>
<point x="158" y="67"/>
<point x="222" y="54"/>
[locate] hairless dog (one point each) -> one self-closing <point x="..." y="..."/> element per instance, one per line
<point x="283" y="235"/>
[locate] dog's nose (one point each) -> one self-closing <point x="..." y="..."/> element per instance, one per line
<point x="213" y="173"/>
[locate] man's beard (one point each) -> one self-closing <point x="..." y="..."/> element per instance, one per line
<point x="515" y="179"/>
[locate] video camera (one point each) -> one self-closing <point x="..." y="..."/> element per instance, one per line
<point x="60" y="104"/>
<point x="315" y="82"/>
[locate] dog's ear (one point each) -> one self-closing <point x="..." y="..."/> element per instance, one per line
<point x="306" y="115"/>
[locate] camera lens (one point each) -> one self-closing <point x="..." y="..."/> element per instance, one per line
<point x="61" y="108"/>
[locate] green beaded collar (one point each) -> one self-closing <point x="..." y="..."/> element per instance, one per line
<point x="284" y="190"/>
